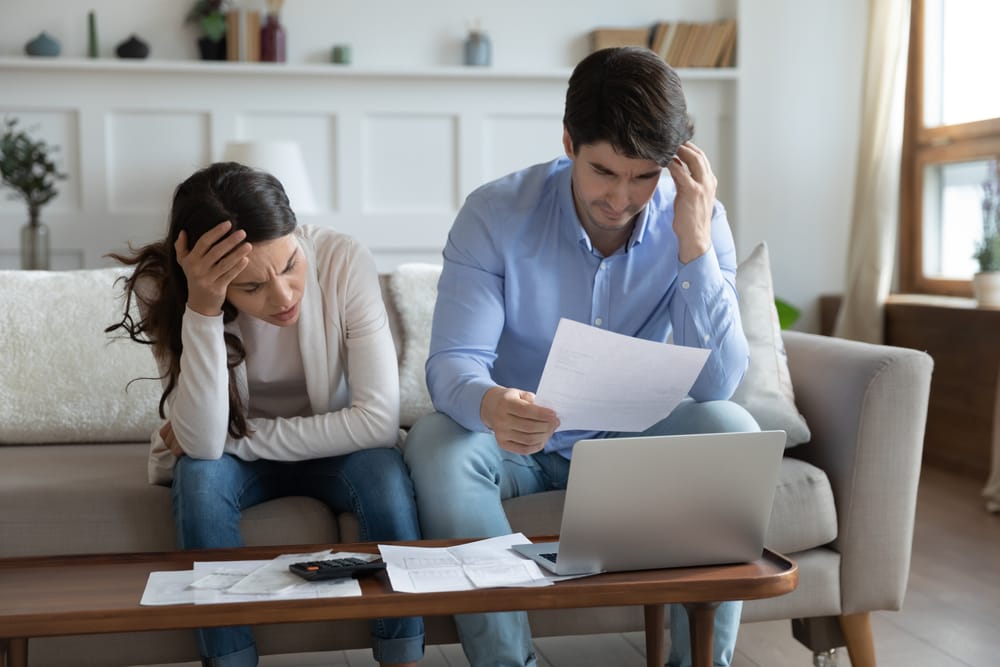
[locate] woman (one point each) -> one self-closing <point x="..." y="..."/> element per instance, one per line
<point x="279" y="377"/>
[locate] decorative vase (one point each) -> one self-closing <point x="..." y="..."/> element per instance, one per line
<point x="133" y="47"/>
<point x="986" y="288"/>
<point x="478" y="50"/>
<point x="42" y="45"/>
<point x="34" y="246"/>
<point x="212" y="49"/>
<point x="92" y="48"/>
<point x="272" y="40"/>
<point x="341" y="54"/>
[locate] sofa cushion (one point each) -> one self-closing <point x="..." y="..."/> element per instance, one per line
<point x="94" y="498"/>
<point x="61" y="499"/>
<point x="766" y="390"/>
<point x="413" y="288"/>
<point x="62" y="379"/>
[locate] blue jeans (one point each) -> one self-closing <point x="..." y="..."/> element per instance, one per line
<point x="461" y="478"/>
<point x="373" y="484"/>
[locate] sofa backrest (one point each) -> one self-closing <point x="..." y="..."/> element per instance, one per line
<point x="62" y="379"/>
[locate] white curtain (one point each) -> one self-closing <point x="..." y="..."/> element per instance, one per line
<point x="871" y="253"/>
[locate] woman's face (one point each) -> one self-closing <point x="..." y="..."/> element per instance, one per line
<point x="271" y="286"/>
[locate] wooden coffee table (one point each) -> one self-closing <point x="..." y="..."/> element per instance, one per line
<point x="91" y="594"/>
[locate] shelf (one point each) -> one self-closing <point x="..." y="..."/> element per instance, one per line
<point x="314" y="69"/>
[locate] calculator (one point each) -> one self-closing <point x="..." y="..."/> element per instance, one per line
<point x="335" y="568"/>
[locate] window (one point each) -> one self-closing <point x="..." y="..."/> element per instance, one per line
<point x="952" y="134"/>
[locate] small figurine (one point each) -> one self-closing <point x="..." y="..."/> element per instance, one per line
<point x="133" y="47"/>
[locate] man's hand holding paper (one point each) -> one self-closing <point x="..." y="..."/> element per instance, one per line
<point x="604" y="381"/>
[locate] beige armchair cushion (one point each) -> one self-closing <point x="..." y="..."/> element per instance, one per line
<point x="766" y="390"/>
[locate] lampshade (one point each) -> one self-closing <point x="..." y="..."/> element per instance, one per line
<point x="281" y="159"/>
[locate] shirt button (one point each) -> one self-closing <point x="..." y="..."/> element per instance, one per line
<point x="598" y="321"/>
<point x="603" y="266"/>
<point x="685" y="284"/>
<point x="706" y="337"/>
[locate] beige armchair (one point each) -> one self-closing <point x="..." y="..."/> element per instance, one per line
<point x="866" y="407"/>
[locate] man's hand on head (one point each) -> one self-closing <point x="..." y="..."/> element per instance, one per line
<point x="696" y="185"/>
<point x="519" y="425"/>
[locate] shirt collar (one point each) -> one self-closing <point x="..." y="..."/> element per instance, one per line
<point x="571" y="222"/>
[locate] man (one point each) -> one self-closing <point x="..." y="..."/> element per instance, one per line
<point x="595" y="237"/>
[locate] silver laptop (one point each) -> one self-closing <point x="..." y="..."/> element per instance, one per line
<point x="664" y="501"/>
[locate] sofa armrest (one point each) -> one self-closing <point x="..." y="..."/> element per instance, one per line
<point x="866" y="406"/>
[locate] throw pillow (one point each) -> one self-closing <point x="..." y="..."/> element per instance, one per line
<point x="62" y="379"/>
<point x="413" y="288"/>
<point x="766" y="390"/>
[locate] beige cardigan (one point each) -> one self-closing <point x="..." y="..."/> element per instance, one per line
<point x="350" y="366"/>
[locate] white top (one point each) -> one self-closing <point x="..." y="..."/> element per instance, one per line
<point x="338" y="386"/>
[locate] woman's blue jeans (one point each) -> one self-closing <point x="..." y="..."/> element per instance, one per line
<point x="373" y="484"/>
<point x="461" y="478"/>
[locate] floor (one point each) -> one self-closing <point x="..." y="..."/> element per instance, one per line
<point x="951" y="616"/>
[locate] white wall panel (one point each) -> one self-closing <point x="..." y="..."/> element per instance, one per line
<point x="391" y="154"/>
<point x="514" y="141"/>
<point x="316" y="134"/>
<point x="409" y="163"/>
<point x="149" y="153"/>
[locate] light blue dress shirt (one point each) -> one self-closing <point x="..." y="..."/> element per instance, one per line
<point x="517" y="259"/>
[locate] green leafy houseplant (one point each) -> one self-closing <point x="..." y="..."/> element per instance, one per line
<point x="210" y="16"/>
<point x="787" y="313"/>
<point x="27" y="168"/>
<point x="988" y="248"/>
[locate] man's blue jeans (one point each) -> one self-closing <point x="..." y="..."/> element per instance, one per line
<point x="461" y="478"/>
<point x="373" y="484"/>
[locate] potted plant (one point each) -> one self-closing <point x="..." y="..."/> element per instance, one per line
<point x="27" y="168"/>
<point x="210" y="17"/>
<point x="986" y="283"/>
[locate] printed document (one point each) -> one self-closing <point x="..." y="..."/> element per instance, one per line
<point x="598" y="380"/>
<point x="216" y="582"/>
<point x="487" y="563"/>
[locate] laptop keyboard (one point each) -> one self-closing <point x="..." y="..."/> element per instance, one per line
<point x="549" y="557"/>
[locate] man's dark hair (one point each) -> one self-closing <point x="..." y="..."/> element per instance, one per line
<point x="631" y="98"/>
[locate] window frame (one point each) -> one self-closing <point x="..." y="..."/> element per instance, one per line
<point x="923" y="146"/>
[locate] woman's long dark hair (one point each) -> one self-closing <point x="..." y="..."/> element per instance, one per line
<point x="253" y="201"/>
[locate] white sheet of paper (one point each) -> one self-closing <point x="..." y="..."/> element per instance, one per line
<point x="218" y="582"/>
<point x="486" y="563"/>
<point x="598" y="380"/>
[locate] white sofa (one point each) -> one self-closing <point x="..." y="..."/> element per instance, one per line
<point x="73" y="445"/>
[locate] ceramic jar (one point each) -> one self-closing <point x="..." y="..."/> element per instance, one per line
<point x="43" y="45"/>
<point x="478" y="50"/>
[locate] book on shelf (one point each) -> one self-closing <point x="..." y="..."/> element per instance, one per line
<point x="603" y="38"/>
<point x="677" y="44"/>
<point x="660" y="30"/>
<point x="726" y="56"/>
<point x="680" y="43"/>
<point x="701" y="53"/>
<point x="243" y="35"/>
<point x="690" y="44"/>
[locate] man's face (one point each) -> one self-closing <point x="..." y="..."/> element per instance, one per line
<point x="609" y="189"/>
<point x="270" y="288"/>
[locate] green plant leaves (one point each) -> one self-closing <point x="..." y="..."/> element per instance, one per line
<point x="27" y="168"/>
<point x="787" y="313"/>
